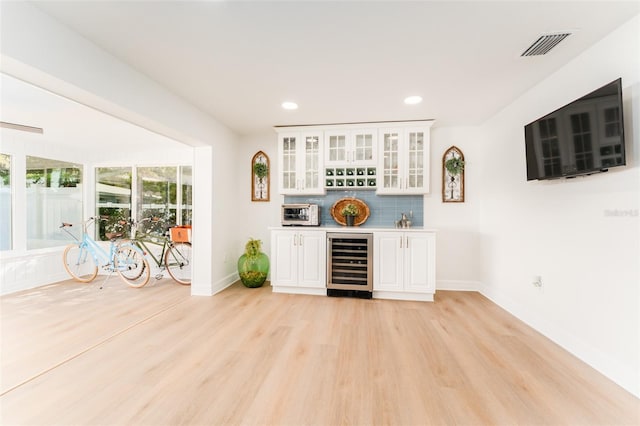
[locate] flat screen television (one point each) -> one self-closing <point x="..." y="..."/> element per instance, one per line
<point x="583" y="137"/>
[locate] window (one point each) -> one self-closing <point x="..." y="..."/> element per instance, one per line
<point x="156" y="196"/>
<point x="186" y="196"/>
<point x="165" y="192"/>
<point x="54" y="195"/>
<point x="113" y="195"/>
<point x="158" y="192"/>
<point x="5" y="202"/>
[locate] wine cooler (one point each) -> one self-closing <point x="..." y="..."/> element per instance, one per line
<point x="349" y="264"/>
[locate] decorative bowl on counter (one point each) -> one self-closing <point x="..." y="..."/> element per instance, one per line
<point x="363" y="211"/>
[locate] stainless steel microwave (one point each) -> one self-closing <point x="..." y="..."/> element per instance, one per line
<point x="300" y="215"/>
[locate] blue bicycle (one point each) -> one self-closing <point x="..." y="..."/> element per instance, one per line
<point x="81" y="259"/>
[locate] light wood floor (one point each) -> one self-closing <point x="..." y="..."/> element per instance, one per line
<point x="73" y="354"/>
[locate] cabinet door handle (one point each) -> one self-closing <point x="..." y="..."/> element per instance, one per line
<point x="300" y="240"/>
<point x="401" y="238"/>
<point x="295" y="237"/>
<point x="407" y="245"/>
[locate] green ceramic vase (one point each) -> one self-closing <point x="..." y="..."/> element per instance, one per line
<point x="253" y="270"/>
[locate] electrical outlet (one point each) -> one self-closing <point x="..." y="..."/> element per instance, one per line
<point x="537" y="281"/>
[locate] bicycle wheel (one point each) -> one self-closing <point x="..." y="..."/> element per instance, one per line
<point x="79" y="263"/>
<point x="132" y="266"/>
<point x="177" y="260"/>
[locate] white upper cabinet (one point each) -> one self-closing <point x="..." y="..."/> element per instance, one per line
<point x="391" y="158"/>
<point x="350" y="147"/>
<point x="300" y="160"/>
<point x="403" y="166"/>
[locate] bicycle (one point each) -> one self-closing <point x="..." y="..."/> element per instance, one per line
<point x="174" y="257"/>
<point x="81" y="259"/>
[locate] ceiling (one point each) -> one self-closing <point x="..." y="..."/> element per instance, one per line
<point x="71" y="124"/>
<point x="341" y="61"/>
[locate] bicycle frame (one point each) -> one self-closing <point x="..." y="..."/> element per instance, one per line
<point x="103" y="259"/>
<point x="171" y="258"/>
<point x="142" y="243"/>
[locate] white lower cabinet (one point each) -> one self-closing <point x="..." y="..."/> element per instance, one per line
<point x="298" y="261"/>
<point x="404" y="265"/>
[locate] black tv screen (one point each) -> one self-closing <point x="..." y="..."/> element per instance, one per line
<point x="581" y="138"/>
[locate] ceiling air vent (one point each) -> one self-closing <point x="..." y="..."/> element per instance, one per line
<point x="544" y="44"/>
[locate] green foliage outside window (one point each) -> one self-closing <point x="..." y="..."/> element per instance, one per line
<point x="5" y="169"/>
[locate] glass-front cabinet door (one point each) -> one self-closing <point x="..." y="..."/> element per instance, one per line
<point x="364" y="147"/>
<point x="404" y="161"/>
<point x="300" y="157"/>
<point x="390" y="161"/>
<point x="336" y="148"/>
<point x="288" y="177"/>
<point x="312" y="157"/>
<point x="415" y="179"/>
<point x="350" y="147"/>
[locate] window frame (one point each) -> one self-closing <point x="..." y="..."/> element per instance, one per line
<point x="11" y="198"/>
<point x="134" y="209"/>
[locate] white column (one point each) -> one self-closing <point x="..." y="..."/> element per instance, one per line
<point x="202" y="237"/>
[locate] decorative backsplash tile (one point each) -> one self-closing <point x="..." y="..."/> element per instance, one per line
<point x="384" y="209"/>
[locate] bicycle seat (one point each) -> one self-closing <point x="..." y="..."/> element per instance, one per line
<point x="113" y="235"/>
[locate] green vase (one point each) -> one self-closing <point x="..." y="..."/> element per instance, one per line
<point x="253" y="270"/>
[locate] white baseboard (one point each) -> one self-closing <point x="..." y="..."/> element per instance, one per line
<point x="458" y="285"/>
<point x="299" y="290"/>
<point x="625" y="376"/>
<point x="225" y="282"/>
<point x="216" y="287"/>
<point x="394" y="295"/>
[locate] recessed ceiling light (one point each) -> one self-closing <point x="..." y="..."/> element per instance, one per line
<point x="412" y="100"/>
<point x="289" y="105"/>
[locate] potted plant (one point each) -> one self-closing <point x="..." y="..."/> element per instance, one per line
<point x="260" y="170"/>
<point x="454" y="165"/>
<point x="350" y="211"/>
<point x="253" y="265"/>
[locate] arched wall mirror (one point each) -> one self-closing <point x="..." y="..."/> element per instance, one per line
<point x="453" y="176"/>
<point x="260" y="170"/>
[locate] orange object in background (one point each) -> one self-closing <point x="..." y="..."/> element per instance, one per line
<point x="181" y="234"/>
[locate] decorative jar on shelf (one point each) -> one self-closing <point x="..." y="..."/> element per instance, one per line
<point x="253" y="265"/>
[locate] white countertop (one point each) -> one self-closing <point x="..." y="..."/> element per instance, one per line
<point x="362" y="229"/>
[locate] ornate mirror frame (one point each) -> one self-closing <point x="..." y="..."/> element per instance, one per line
<point x="260" y="185"/>
<point x="452" y="185"/>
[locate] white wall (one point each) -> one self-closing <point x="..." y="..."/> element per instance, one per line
<point x="457" y="264"/>
<point x="259" y="215"/>
<point x="562" y="230"/>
